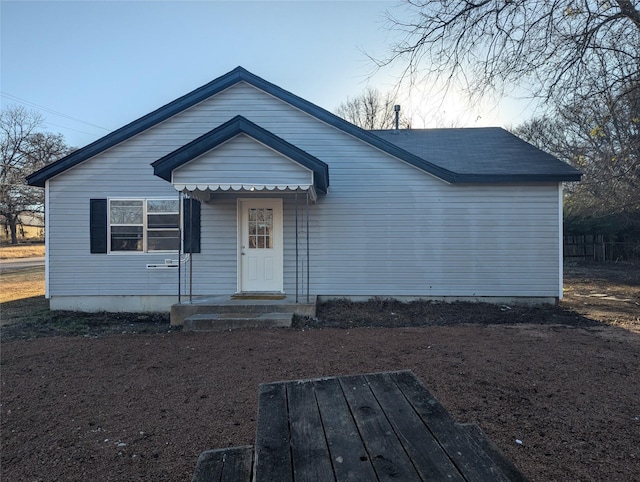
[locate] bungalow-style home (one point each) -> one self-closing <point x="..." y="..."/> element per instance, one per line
<point x="243" y="187"/>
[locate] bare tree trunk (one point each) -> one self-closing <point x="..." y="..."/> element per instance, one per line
<point x="12" y="222"/>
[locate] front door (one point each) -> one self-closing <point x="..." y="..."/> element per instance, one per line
<point x="260" y="245"/>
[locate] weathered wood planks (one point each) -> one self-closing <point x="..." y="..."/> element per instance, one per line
<point x="272" y="454"/>
<point x="472" y="462"/>
<point x="425" y="452"/>
<point x="309" y="450"/>
<point x="374" y="427"/>
<point x="349" y="457"/>
<point x="233" y="464"/>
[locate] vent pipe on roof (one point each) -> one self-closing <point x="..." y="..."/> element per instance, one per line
<point x="396" y="108"/>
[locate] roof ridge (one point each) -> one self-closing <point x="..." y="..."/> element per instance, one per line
<point x="240" y="74"/>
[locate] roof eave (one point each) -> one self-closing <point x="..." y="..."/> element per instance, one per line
<point x="515" y="178"/>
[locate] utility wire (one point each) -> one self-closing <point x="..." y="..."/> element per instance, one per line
<point x="67" y="128"/>
<point x="33" y="104"/>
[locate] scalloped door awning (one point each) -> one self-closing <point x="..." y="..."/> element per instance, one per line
<point x="240" y="156"/>
<point x="204" y="191"/>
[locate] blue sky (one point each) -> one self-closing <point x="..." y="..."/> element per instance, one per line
<point x="90" y="67"/>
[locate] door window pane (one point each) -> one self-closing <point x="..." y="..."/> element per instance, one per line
<point x="260" y="228"/>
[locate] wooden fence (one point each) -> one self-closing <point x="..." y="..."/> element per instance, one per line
<point x="596" y="247"/>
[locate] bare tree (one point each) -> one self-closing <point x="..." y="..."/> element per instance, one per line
<point x="550" y="47"/>
<point x="371" y="110"/>
<point x="600" y="135"/>
<point x="580" y="57"/>
<point x="23" y="150"/>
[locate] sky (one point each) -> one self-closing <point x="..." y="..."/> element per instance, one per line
<point x="90" y="67"/>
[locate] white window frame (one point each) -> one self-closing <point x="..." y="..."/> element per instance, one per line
<point x="145" y="227"/>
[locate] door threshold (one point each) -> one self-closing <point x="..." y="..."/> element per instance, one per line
<point x="258" y="295"/>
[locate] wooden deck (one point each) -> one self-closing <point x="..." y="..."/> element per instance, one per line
<point x="375" y="427"/>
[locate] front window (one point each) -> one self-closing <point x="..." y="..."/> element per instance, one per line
<point x="144" y="225"/>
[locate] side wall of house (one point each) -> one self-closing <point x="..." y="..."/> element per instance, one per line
<point x="384" y="228"/>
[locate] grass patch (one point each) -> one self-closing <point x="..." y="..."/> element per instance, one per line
<point x="71" y="323"/>
<point x="31" y="318"/>
<point x="24" y="313"/>
<point x="20" y="284"/>
<point x="25" y="310"/>
<point x="22" y="251"/>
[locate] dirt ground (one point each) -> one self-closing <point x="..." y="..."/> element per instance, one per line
<point x="126" y="398"/>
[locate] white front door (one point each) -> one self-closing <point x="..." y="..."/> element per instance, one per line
<point x="260" y="245"/>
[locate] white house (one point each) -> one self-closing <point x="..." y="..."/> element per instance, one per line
<point x="241" y="186"/>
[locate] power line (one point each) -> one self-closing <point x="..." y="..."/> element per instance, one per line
<point x="68" y="128"/>
<point x="46" y="109"/>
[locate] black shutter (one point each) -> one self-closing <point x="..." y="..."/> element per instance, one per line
<point x="98" y="225"/>
<point x="191" y="225"/>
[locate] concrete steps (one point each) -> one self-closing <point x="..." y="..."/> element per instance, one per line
<point x="219" y="313"/>
<point x="232" y="321"/>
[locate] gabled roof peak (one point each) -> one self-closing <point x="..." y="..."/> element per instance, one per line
<point x="240" y="125"/>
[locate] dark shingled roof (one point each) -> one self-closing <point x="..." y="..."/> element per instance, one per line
<point x="482" y="154"/>
<point x="512" y="156"/>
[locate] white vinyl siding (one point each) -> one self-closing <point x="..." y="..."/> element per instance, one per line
<point x="453" y="241"/>
<point x="73" y="270"/>
<point x="384" y="228"/>
<point x="242" y="160"/>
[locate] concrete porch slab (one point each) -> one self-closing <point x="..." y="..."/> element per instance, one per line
<point x="211" y="305"/>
